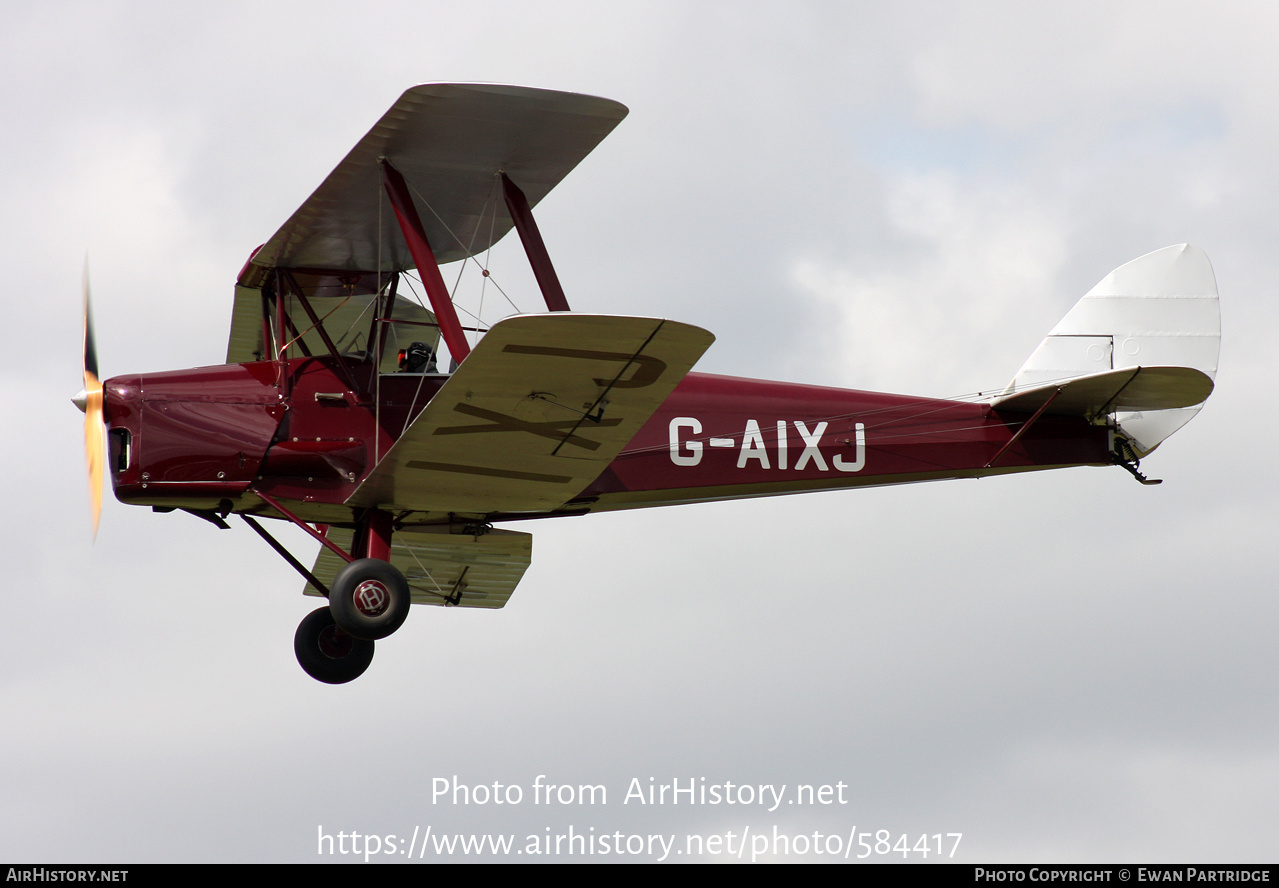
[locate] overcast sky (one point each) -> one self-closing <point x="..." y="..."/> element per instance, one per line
<point x="905" y="197"/>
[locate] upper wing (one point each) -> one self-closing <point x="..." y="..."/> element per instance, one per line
<point x="449" y="141"/>
<point x="541" y="406"/>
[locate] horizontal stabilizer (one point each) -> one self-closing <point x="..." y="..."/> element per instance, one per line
<point x="533" y="415"/>
<point x="443" y="567"/>
<point x="1130" y="389"/>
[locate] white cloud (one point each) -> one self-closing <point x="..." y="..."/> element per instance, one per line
<point x="936" y="313"/>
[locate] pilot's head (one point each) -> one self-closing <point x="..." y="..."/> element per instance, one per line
<point x="415" y="358"/>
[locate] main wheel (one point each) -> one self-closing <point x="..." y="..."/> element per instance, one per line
<point x="328" y="654"/>
<point x="369" y="598"/>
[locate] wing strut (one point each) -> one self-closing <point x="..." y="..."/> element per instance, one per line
<point x="538" y="258"/>
<point x="275" y="504"/>
<point x="424" y="258"/>
<point x="317" y="324"/>
<point x="285" y="554"/>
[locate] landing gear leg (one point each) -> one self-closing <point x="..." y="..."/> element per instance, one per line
<point x="369" y="597"/>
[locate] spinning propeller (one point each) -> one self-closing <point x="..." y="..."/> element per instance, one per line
<point x="89" y="400"/>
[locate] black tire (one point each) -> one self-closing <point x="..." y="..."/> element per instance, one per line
<point x="369" y="598"/>
<point x="328" y="654"/>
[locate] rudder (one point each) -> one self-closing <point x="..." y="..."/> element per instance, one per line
<point x="1160" y="310"/>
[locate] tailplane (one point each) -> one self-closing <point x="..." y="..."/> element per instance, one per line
<point x="1139" y="350"/>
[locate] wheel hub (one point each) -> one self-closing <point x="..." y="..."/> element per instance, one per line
<point x="334" y="643"/>
<point x="372" y="598"/>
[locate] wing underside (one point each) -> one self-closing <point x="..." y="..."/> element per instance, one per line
<point x="444" y="567"/>
<point x="449" y="141"/>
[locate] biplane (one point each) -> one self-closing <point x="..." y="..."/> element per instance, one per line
<point x="400" y="437"/>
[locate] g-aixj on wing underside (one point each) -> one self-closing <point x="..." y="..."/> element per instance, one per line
<point x="540" y="407"/>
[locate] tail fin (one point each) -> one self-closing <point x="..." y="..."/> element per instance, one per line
<point x="1156" y="318"/>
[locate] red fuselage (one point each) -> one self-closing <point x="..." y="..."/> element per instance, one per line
<point x="203" y="438"/>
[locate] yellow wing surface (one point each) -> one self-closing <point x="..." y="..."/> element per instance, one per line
<point x="533" y="415"/>
<point x="443" y="567"/>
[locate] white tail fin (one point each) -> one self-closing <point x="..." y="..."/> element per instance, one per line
<point x="1159" y="311"/>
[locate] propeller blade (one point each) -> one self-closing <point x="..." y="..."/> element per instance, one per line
<point x="95" y="440"/>
<point x="90" y="346"/>
<point x="90" y="401"/>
